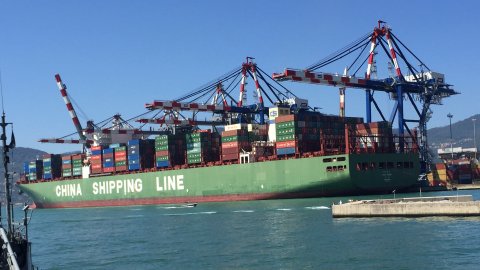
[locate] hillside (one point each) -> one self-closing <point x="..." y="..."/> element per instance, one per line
<point x="462" y="134"/>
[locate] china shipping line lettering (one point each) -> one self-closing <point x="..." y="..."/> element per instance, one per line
<point x="125" y="186"/>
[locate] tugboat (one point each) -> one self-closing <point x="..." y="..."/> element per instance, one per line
<point x="16" y="249"/>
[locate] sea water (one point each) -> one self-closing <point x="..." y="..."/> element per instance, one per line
<point x="275" y="234"/>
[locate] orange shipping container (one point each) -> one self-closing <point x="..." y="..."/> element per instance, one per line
<point x="286" y="144"/>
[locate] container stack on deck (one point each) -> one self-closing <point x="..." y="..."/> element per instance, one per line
<point x="376" y="136"/>
<point x="77" y="164"/>
<point x="67" y="166"/>
<point x="233" y="142"/>
<point x="169" y="150"/>
<point x="52" y="166"/>
<point x="140" y="154"/>
<point x="297" y="134"/>
<point x="108" y="160"/>
<point x="35" y="169"/>
<point x="96" y="160"/>
<point x="202" y="147"/>
<point x="121" y="161"/>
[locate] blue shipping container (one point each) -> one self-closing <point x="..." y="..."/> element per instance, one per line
<point x="134" y="156"/>
<point x="108" y="164"/>
<point x="108" y="151"/>
<point x="164" y="163"/>
<point x="96" y="152"/>
<point x="286" y="151"/>
<point x="133" y="167"/>
<point x="47" y="176"/>
<point x="25" y="168"/>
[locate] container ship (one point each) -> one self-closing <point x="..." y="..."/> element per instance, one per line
<point x="283" y="149"/>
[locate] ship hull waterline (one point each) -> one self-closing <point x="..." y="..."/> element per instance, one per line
<point x="336" y="175"/>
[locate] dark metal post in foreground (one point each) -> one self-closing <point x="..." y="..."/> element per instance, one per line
<point x="6" y="160"/>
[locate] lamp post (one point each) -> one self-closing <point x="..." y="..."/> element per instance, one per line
<point x="474" y="137"/>
<point x="449" y="115"/>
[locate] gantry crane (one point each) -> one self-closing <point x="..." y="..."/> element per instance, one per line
<point x="119" y="131"/>
<point x="215" y="98"/>
<point x="428" y="87"/>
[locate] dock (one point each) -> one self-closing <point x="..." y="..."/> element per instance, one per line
<point x="463" y="205"/>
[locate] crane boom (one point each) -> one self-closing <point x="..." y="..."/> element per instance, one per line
<point x="190" y="122"/>
<point x="63" y="90"/>
<point x="386" y="85"/>
<point x="66" y="141"/>
<point x="187" y="106"/>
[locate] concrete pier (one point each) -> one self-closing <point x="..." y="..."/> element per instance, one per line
<point x="409" y="207"/>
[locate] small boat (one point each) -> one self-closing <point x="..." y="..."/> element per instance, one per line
<point x="190" y="205"/>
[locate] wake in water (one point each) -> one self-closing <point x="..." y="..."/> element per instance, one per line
<point x="284" y="209"/>
<point x="243" y="211"/>
<point x="317" y="207"/>
<point x="191" y="213"/>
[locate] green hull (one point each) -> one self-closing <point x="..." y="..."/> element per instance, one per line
<point x="292" y="178"/>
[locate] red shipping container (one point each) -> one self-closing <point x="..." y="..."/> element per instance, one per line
<point x="236" y="132"/>
<point x="286" y="144"/>
<point x="96" y="157"/>
<point x="232" y="150"/>
<point x="95" y="148"/>
<point x="121" y="168"/>
<point x="161" y="153"/>
<point x="285" y="118"/>
<point x="66" y="166"/>
<point x="229" y="145"/>
<point x="77" y="156"/>
<point x="230" y="157"/>
<point x="68" y="157"/>
<point x="96" y="166"/>
<point x="120" y="158"/>
<point x="121" y="154"/>
<point x="109" y="169"/>
<point x="95" y="171"/>
<point x="107" y="156"/>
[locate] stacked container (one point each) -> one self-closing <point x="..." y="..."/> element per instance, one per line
<point x="108" y="159"/>
<point x="121" y="161"/>
<point x="140" y="154"/>
<point x="96" y="160"/>
<point x="377" y="135"/>
<point x="77" y="164"/>
<point x="35" y="170"/>
<point x="26" y="171"/>
<point x="169" y="150"/>
<point x="233" y="142"/>
<point x="67" y="166"/>
<point x="297" y="134"/>
<point x="52" y="166"/>
<point x="200" y="148"/>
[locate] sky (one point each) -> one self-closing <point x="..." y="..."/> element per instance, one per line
<point x="115" y="56"/>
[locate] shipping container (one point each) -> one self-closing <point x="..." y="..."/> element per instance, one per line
<point x="35" y="170"/>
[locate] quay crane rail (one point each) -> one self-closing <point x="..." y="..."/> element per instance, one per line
<point x="428" y="87"/>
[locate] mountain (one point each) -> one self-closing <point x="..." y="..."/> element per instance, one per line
<point x="462" y="134"/>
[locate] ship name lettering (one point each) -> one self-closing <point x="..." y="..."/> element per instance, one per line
<point x="174" y="182"/>
<point x="68" y="190"/>
<point x="124" y="186"/>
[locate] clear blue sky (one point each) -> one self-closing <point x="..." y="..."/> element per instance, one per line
<point x="115" y="56"/>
